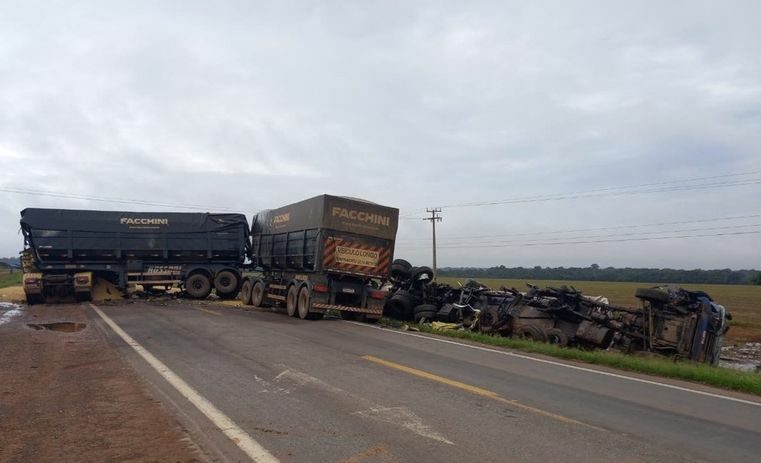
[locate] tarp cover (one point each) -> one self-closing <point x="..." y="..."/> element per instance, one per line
<point x="332" y="213"/>
<point x="129" y="222"/>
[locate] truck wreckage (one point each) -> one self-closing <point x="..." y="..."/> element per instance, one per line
<point x="671" y="321"/>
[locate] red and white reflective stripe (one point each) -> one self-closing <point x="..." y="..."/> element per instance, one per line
<point x="346" y="308"/>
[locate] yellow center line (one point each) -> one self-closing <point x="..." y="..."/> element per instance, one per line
<point x="207" y="311"/>
<point x="475" y="390"/>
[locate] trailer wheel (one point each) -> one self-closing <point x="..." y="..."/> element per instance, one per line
<point x="652" y="294"/>
<point x="418" y="272"/>
<point x="257" y="294"/>
<point x="557" y="337"/>
<point x="425" y="311"/>
<point x="292" y="301"/>
<point x="400" y="270"/>
<point x="33" y="299"/>
<point x="532" y="333"/>
<point x="245" y="292"/>
<point x="489" y="318"/>
<point x="198" y="286"/>
<point x="226" y="283"/>
<point x="305" y="305"/>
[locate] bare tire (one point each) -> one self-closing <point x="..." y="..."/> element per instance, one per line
<point x="652" y="294"/>
<point x="198" y="286"/>
<point x="292" y="301"/>
<point x="226" y="283"/>
<point x="532" y="333"/>
<point x="418" y="272"/>
<point x="557" y="337"/>
<point x="257" y="294"/>
<point x="245" y="292"/>
<point x="400" y="270"/>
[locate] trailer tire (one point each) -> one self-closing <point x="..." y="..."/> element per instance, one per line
<point x="532" y="333"/>
<point x="198" y="286"/>
<point x="425" y="311"/>
<point x="652" y="294"/>
<point x="418" y="272"/>
<point x="245" y="292"/>
<point x="401" y="305"/>
<point x="305" y="305"/>
<point x="557" y="337"/>
<point x="257" y="294"/>
<point x="292" y="301"/>
<point x="34" y="299"/>
<point x="226" y="283"/>
<point x="400" y="270"/>
<point x="489" y="318"/>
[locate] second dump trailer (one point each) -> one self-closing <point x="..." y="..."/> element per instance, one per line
<point x="323" y="253"/>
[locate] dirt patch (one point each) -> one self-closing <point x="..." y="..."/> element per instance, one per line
<point x="65" y="327"/>
<point x="744" y="356"/>
<point x="104" y="290"/>
<point x="66" y="395"/>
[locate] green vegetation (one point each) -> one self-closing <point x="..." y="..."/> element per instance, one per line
<point x="10" y="279"/>
<point x="743" y="301"/>
<point x="595" y="273"/>
<point x="720" y="377"/>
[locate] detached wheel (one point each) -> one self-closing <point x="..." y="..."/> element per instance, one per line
<point x="257" y="294"/>
<point x="226" y="284"/>
<point x="198" y="286"/>
<point x="245" y="292"/>
<point x="292" y="301"/>
<point x="652" y="294"/>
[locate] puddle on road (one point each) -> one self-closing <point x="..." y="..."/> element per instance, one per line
<point x="65" y="327"/>
<point x="8" y="310"/>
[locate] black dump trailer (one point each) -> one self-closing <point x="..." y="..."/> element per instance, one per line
<point x="65" y="249"/>
<point x="327" y="252"/>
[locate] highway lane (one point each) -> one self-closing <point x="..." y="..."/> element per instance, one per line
<point x="338" y="391"/>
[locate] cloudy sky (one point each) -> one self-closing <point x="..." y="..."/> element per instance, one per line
<point x="616" y="133"/>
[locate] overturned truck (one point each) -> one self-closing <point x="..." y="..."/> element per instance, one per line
<point x="671" y="321"/>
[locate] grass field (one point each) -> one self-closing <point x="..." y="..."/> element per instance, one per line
<point x="10" y="279"/>
<point x="743" y="301"/>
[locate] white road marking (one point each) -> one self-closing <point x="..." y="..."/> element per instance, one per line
<point x="560" y="364"/>
<point x="404" y="417"/>
<point x="397" y="416"/>
<point x="245" y="442"/>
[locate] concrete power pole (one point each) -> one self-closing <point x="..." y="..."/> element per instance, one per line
<point x="435" y="217"/>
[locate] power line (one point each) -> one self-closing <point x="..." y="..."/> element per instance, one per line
<point x="576" y="230"/>
<point x="752" y="232"/>
<point x="114" y="200"/>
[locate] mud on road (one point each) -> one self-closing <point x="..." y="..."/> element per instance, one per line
<point x="67" y="396"/>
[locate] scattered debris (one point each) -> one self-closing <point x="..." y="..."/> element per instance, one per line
<point x="671" y="321"/>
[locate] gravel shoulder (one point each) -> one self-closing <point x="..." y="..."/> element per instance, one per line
<point x="66" y="395"/>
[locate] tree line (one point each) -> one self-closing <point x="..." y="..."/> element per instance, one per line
<point x="595" y="273"/>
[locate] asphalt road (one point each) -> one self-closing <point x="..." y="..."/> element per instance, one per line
<point x="330" y="390"/>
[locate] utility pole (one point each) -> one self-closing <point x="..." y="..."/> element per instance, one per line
<point x="435" y="217"/>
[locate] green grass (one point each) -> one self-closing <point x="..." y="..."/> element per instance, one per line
<point x="10" y="279"/>
<point x="713" y="376"/>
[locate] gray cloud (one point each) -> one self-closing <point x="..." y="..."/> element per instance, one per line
<point x="250" y="106"/>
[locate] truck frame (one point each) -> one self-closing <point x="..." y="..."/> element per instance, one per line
<point x="323" y="253"/>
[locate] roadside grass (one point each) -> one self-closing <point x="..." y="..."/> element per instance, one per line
<point x="742" y="301"/>
<point x="10" y="279"/>
<point x="664" y="367"/>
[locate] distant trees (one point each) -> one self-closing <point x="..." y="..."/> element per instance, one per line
<point x="595" y="273"/>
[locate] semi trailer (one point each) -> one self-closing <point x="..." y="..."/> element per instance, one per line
<point x="323" y="253"/>
<point x="65" y="250"/>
